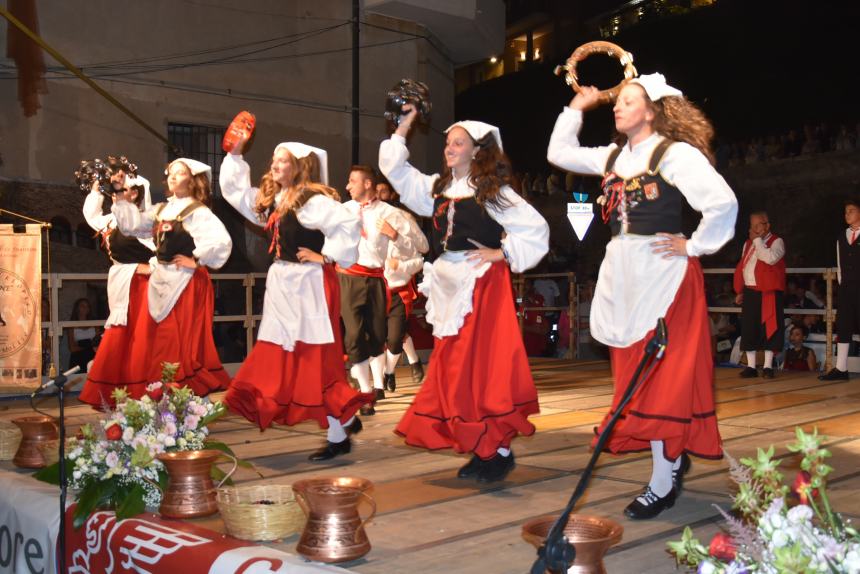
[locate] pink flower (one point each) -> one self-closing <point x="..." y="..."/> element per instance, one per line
<point x="191" y="421"/>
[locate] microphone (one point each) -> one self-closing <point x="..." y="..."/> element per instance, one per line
<point x="58" y="382"/>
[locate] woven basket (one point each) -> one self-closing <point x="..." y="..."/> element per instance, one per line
<point x="246" y="518"/>
<point x="10" y="438"/>
<point x="51" y="453"/>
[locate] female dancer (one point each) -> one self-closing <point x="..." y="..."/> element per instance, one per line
<point x="479" y="390"/>
<point x="295" y="371"/>
<point x="122" y="359"/>
<point x="188" y="239"/>
<point x="651" y="270"/>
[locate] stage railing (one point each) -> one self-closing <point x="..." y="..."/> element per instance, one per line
<point x="54" y="326"/>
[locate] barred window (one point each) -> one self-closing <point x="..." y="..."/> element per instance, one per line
<point x="202" y="143"/>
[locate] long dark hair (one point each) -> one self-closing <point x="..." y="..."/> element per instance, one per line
<point x="489" y="171"/>
<point x="77" y="305"/>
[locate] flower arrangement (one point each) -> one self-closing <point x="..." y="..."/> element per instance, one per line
<point x="115" y="464"/>
<point x="776" y="529"/>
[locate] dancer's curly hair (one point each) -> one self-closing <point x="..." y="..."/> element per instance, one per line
<point x="490" y="170"/>
<point x="679" y="119"/>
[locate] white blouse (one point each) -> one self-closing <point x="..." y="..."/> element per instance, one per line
<point x="294" y="306"/>
<point x="408" y="255"/>
<point x="450" y="281"/>
<point x="635" y="287"/>
<point x="167" y="282"/>
<point x="120" y="274"/>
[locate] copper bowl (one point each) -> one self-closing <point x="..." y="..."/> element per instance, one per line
<point x="591" y="536"/>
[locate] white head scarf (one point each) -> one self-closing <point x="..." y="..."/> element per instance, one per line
<point x="656" y="87"/>
<point x="196" y="167"/>
<point x="478" y="130"/>
<point x="300" y="150"/>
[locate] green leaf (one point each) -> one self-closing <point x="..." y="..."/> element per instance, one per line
<point x="51" y="474"/>
<point x="218" y="475"/>
<point x="132" y="504"/>
<point x="93" y="495"/>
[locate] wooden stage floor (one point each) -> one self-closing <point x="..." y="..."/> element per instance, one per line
<point x="431" y="522"/>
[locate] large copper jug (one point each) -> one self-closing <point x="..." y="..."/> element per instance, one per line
<point x="591" y="536"/>
<point x="190" y="492"/>
<point x="35" y="431"/>
<point x="334" y="531"/>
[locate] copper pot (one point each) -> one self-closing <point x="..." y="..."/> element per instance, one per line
<point x="190" y="492"/>
<point x="35" y="431"/>
<point x="334" y="531"/>
<point x="591" y="536"/>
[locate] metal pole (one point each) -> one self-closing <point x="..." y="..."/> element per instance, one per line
<point x="356" y="5"/>
<point x="828" y="321"/>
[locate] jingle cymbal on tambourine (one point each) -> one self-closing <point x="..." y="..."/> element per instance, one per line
<point x="568" y="69"/>
<point x="407" y="91"/>
<point x="92" y="171"/>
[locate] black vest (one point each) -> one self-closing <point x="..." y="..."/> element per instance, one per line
<point x="471" y="221"/>
<point x="124" y="249"/>
<point x="653" y="206"/>
<point x="288" y="235"/>
<point x="849" y="259"/>
<point x="171" y="239"/>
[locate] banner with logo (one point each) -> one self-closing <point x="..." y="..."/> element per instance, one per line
<point x="20" y="307"/>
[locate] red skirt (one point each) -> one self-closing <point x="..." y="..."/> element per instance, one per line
<point x="308" y="383"/>
<point x="676" y="403"/>
<point x="479" y="389"/>
<point x="185" y="337"/>
<point x="123" y="358"/>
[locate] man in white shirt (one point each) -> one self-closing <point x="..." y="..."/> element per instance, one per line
<point x="760" y="285"/>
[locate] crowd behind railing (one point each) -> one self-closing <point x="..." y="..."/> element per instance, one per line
<point x="553" y="310"/>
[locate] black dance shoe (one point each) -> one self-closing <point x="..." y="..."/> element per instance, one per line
<point x="678" y="473"/>
<point x="389" y="382"/>
<point x="749" y="373"/>
<point x="471" y="468"/>
<point x="331" y="450"/>
<point x="497" y="468"/>
<point x="767" y="373"/>
<point x="417" y="372"/>
<point x="648" y="505"/>
<point x="380" y="394"/>
<point x="367" y="410"/>
<point x="834" y="374"/>
<point x="354" y="427"/>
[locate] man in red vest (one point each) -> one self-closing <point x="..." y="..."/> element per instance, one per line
<point x="760" y="284"/>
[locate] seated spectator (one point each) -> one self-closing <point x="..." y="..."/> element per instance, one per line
<point x="798" y="357"/>
<point x="814" y="324"/>
<point x="535" y="326"/>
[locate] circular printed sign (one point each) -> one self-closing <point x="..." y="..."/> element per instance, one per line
<point x="17" y="313"/>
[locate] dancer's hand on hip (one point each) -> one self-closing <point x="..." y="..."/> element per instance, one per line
<point x="305" y="255"/>
<point x="670" y="246"/>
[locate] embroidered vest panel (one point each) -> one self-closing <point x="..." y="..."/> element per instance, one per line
<point x="171" y="239"/>
<point x="125" y="249"/>
<point x="470" y="221"/>
<point x="288" y="235"/>
<point x="644" y="204"/>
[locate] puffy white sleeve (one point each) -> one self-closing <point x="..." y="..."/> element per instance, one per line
<point x="131" y="221"/>
<point x="407" y="241"/>
<point x="770" y="255"/>
<point x="212" y="243"/>
<point x="93" y="205"/>
<point x="416" y="235"/>
<point x="707" y="192"/>
<point x="341" y="227"/>
<point x="565" y="152"/>
<point x="410" y="267"/>
<point x="526" y="238"/>
<point x="236" y="188"/>
<point x="414" y="187"/>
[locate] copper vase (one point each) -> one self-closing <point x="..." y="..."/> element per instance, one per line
<point x="334" y="531"/>
<point x="35" y="431"/>
<point x="591" y="536"/>
<point x="190" y="492"/>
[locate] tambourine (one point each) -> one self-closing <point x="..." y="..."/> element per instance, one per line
<point x="598" y="47"/>
<point x="91" y="171"/>
<point x="407" y="91"/>
<point x="240" y="129"/>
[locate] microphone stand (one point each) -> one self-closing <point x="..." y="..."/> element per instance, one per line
<point x="60" y="383"/>
<point x="557" y="554"/>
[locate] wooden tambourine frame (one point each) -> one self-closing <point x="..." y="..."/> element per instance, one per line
<point x="598" y="47"/>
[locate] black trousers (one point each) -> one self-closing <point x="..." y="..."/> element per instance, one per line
<point x="396" y="324"/>
<point x="362" y="308"/>
<point x="848" y="310"/>
<point x="753" y="331"/>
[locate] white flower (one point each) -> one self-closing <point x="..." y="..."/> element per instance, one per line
<point x="852" y="561"/>
<point x="77" y="475"/>
<point x="169" y="441"/>
<point x="127" y="435"/>
<point x="706" y="567"/>
<point x="112" y="459"/>
<point x="800" y="514"/>
<point x="779" y="538"/>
